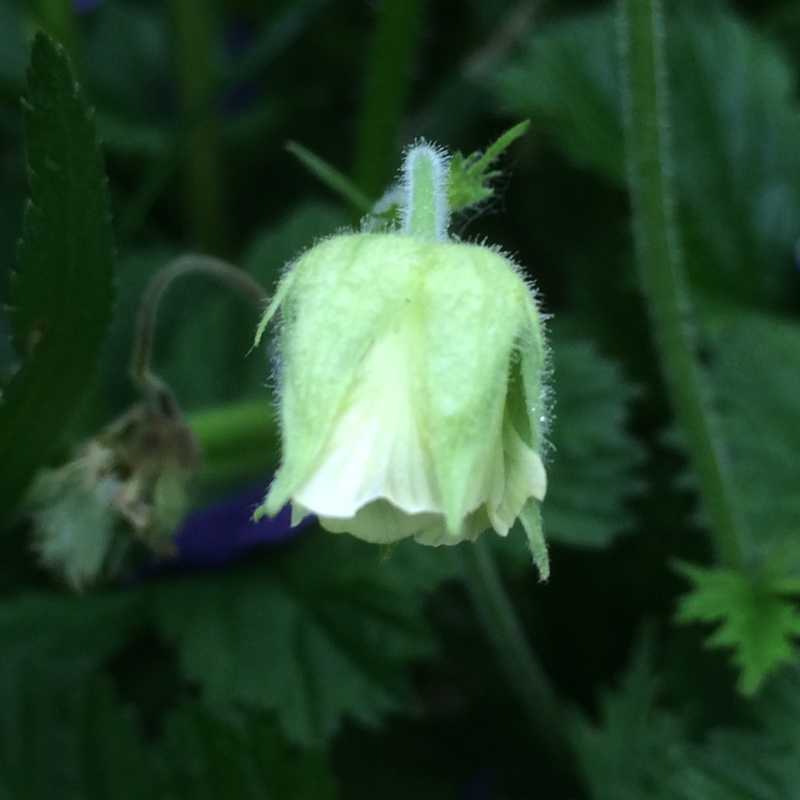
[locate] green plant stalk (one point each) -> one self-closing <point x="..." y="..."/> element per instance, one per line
<point x="195" y="40"/>
<point x="386" y="92"/>
<point x="507" y="638"/>
<point x="239" y="441"/>
<point x="644" y="86"/>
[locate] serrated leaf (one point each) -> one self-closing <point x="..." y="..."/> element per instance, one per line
<point x="737" y="163"/>
<point x="593" y="463"/>
<point x="628" y="755"/>
<point x="760" y="763"/>
<point x="205" y="757"/>
<point x="63" y="291"/>
<point x="737" y="765"/>
<point x="65" y="737"/>
<point x="737" y="177"/>
<point x="323" y="632"/>
<point x="754" y="618"/>
<point x="567" y="81"/>
<point x="755" y="373"/>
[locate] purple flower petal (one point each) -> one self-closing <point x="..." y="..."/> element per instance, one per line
<point x="218" y="534"/>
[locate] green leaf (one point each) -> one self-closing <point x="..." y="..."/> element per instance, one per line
<point x="321" y="632"/>
<point x="566" y="80"/>
<point x="750" y="763"/>
<point x="63" y="291"/>
<point x="627" y="756"/>
<point x="738" y="167"/>
<point x="737" y="180"/>
<point x="593" y="462"/>
<point x="754" y="367"/>
<point x="66" y="737"/>
<point x="755" y="618"/>
<point x="205" y="757"/>
<point x="738" y="765"/>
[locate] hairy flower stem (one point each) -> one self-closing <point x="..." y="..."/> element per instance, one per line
<point x="148" y="383"/>
<point x="506" y="636"/>
<point x="424" y="210"/>
<point x="645" y="86"/>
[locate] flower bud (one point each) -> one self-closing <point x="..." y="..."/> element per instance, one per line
<point x="411" y="397"/>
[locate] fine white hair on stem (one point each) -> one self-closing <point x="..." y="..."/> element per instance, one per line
<point x="424" y="209"/>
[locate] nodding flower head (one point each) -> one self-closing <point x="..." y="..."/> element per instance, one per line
<point x="411" y="397"/>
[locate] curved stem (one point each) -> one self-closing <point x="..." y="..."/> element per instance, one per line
<point x="151" y="299"/>
<point x="645" y="86"/>
<point x="506" y="636"/>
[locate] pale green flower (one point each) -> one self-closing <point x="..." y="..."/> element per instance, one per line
<point x="411" y="398"/>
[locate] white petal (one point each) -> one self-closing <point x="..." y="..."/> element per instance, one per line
<point x="377" y="447"/>
<point x="380" y="522"/>
<point x="524" y="476"/>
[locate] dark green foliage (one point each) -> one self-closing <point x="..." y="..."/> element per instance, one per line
<point x="593" y="458"/>
<point x="64" y="288"/>
<point x="323" y="667"/>
<point x="627" y="755"/>
<point x="322" y="632"/>
<point x="63" y="735"/>
<point x="755" y="369"/>
<point x="206" y="757"/>
<point x="731" y="91"/>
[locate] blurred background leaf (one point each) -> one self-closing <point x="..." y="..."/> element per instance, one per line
<point x="59" y="317"/>
<point x="313" y="638"/>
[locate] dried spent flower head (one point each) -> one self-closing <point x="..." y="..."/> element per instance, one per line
<point x="131" y="482"/>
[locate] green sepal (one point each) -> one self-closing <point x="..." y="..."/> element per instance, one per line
<point x="280" y="295"/>
<point x="470" y="176"/>
<point x="531" y="520"/>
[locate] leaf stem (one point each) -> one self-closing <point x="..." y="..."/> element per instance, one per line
<point x="507" y="638"/>
<point x="644" y="85"/>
